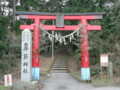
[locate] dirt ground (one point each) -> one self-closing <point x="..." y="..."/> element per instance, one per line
<point x="46" y="63"/>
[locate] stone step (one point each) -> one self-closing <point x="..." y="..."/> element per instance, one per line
<point x="60" y="62"/>
<point x="58" y="71"/>
<point x="60" y="65"/>
<point x="61" y="59"/>
<point x="59" y="68"/>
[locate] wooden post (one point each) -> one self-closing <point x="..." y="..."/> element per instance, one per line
<point x="104" y="63"/>
<point x="53" y="44"/>
<point x="110" y="70"/>
<point x="108" y="75"/>
<point x="101" y="76"/>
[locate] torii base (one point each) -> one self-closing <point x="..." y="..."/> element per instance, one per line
<point x="35" y="73"/>
<point x="85" y="73"/>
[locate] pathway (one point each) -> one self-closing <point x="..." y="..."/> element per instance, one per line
<point x="63" y="81"/>
<point x="60" y="64"/>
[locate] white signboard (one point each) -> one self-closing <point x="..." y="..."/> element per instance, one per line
<point x="26" y="54"/>
<point x="8" y="80"/>
<point x="104" y="59"/>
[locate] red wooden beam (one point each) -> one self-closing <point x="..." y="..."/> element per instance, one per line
<point x="93" y="27"/>
<point x="66" y="27"/>
<point x="31" y="27"/>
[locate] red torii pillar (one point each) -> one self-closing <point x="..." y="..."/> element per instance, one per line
<point x="36" y="51"/>
<point x="85" y="70"/>
<point x="83" y="17"/>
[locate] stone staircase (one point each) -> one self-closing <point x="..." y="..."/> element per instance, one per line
<point x="60" y="64"/>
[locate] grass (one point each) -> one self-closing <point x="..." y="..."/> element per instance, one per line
<point x="46" y="63"/>
<point x="4" y="88"/>
<point x="101" y="82"/>
<point x="96" y="82"/>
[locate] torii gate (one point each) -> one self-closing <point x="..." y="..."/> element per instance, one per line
<point x="60" y="17"/>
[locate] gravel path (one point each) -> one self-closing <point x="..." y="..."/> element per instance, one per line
<point x="63" y="81"/>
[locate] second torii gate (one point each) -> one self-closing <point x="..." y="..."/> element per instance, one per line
<point x="60" y="17"/>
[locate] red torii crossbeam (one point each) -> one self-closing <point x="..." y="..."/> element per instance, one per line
<point x="82" y="17"/>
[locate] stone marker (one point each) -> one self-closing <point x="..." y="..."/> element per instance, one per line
<point x="26" y="55"/>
